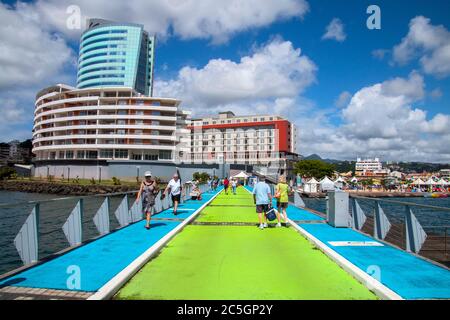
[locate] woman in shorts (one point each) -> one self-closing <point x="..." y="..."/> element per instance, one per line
<point x="148" y="192"/>
<point x="282" y="196"/>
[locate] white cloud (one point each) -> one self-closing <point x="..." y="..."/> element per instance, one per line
<point x="380" y="120"/>
<point x="29" y="55"/>
<point x="208" y="19"/>
<point x="275" y="72"/>
<point x="427" y="42"/>
<point x="335" y="31"/>
<point x="343" y="99"/>
<point x="30" y="59"/>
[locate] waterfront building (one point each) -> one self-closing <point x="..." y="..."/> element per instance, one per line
<point x="114" y="123"/>
<point x="252" y="140"/>
<point x="370" y="168"/>
<point x="116" y="54"/>
<point x="444" y="173"/>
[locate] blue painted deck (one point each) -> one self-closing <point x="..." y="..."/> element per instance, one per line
<point x="102" y="259"/>
<point x="407" y="275"/>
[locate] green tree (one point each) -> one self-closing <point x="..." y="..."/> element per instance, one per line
<point x="6" y="172"/>
<point x="202" y="177"/>
<point x="314" y="168"/>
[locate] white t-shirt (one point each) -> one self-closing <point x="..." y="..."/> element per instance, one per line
<point x="233" y="183"/>
<point x="175" y="187"/>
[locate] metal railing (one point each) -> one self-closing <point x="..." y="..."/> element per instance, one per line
<point x="60" y="224"/>
<point x="402" y="228"/>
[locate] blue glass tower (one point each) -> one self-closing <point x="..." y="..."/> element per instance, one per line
<point x="116" y="54"/>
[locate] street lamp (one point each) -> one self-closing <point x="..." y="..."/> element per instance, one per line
<point x="137" y="173"/>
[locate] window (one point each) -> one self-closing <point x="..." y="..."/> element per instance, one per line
<point x="151" y="157"/>
<point x="80" y="154"/>
<point x="121" y="154"/>
<point x="165" y="155"/>
<point x="107" y="153"/>
<point x="136" y="157"/>
<point x="91" y="154"/>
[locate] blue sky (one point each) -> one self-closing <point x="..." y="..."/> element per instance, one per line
<point x="405" y="87"/>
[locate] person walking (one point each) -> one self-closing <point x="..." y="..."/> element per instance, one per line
<point x="282" y="196"/>
<point x="210" y="182"/>
<point x="175" y="191"/>
<point x="233" y="185"/>
<point x="226" y="183"/>
<point x="147" y="192"/>
<point x="262" y="197"/>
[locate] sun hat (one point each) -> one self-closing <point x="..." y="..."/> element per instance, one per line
<point x="147" y="174"/>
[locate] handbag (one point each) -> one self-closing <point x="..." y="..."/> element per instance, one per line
<point x="271" y="214"/>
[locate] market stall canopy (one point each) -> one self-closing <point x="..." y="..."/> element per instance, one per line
<point x="340" y="179"/>
<point x="312" y="181"/>
<point x="431" y="182"/>
<point x="418" y="182"/>
<point x="241" y="175"/>
<point x="326" y="184"/>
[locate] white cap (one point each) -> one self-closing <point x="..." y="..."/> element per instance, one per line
<point x="147" y="174"/>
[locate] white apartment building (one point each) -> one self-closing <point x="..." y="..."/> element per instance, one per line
<point x="114" y="123"/>
<point x="369" y="167"/>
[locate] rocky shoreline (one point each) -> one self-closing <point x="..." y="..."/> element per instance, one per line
<point x="62" y="188"/>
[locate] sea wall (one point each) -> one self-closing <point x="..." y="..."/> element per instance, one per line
<point x="104" y="170"/>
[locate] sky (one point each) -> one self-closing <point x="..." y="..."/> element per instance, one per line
<point x="351" y="91"/>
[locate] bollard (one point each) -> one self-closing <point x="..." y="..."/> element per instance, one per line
<point x="338" y="210"/>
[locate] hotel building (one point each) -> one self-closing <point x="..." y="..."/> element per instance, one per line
<point x="370" y="167"/>
<point x="116" y="54"/>
<point x="108" y="124"/>
<point x="254" y="140"/>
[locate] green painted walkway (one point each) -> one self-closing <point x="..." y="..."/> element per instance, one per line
<point x="240" y="262"/>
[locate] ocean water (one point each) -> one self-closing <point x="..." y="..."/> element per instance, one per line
<point x="53" y="215"/>
<point x="428" y="218"/>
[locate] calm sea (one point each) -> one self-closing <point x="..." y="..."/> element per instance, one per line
<point x="53" y="215"/>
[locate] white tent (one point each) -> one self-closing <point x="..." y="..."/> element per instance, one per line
<point x="326" y="184"/>
<point x="339" y="182"/>
<point x="311" y="186"/>
<point x="442" y="182"/>
<point x="241" y="175"/>
<point x="431" y="182"/>
<point x="418" y="182"/>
